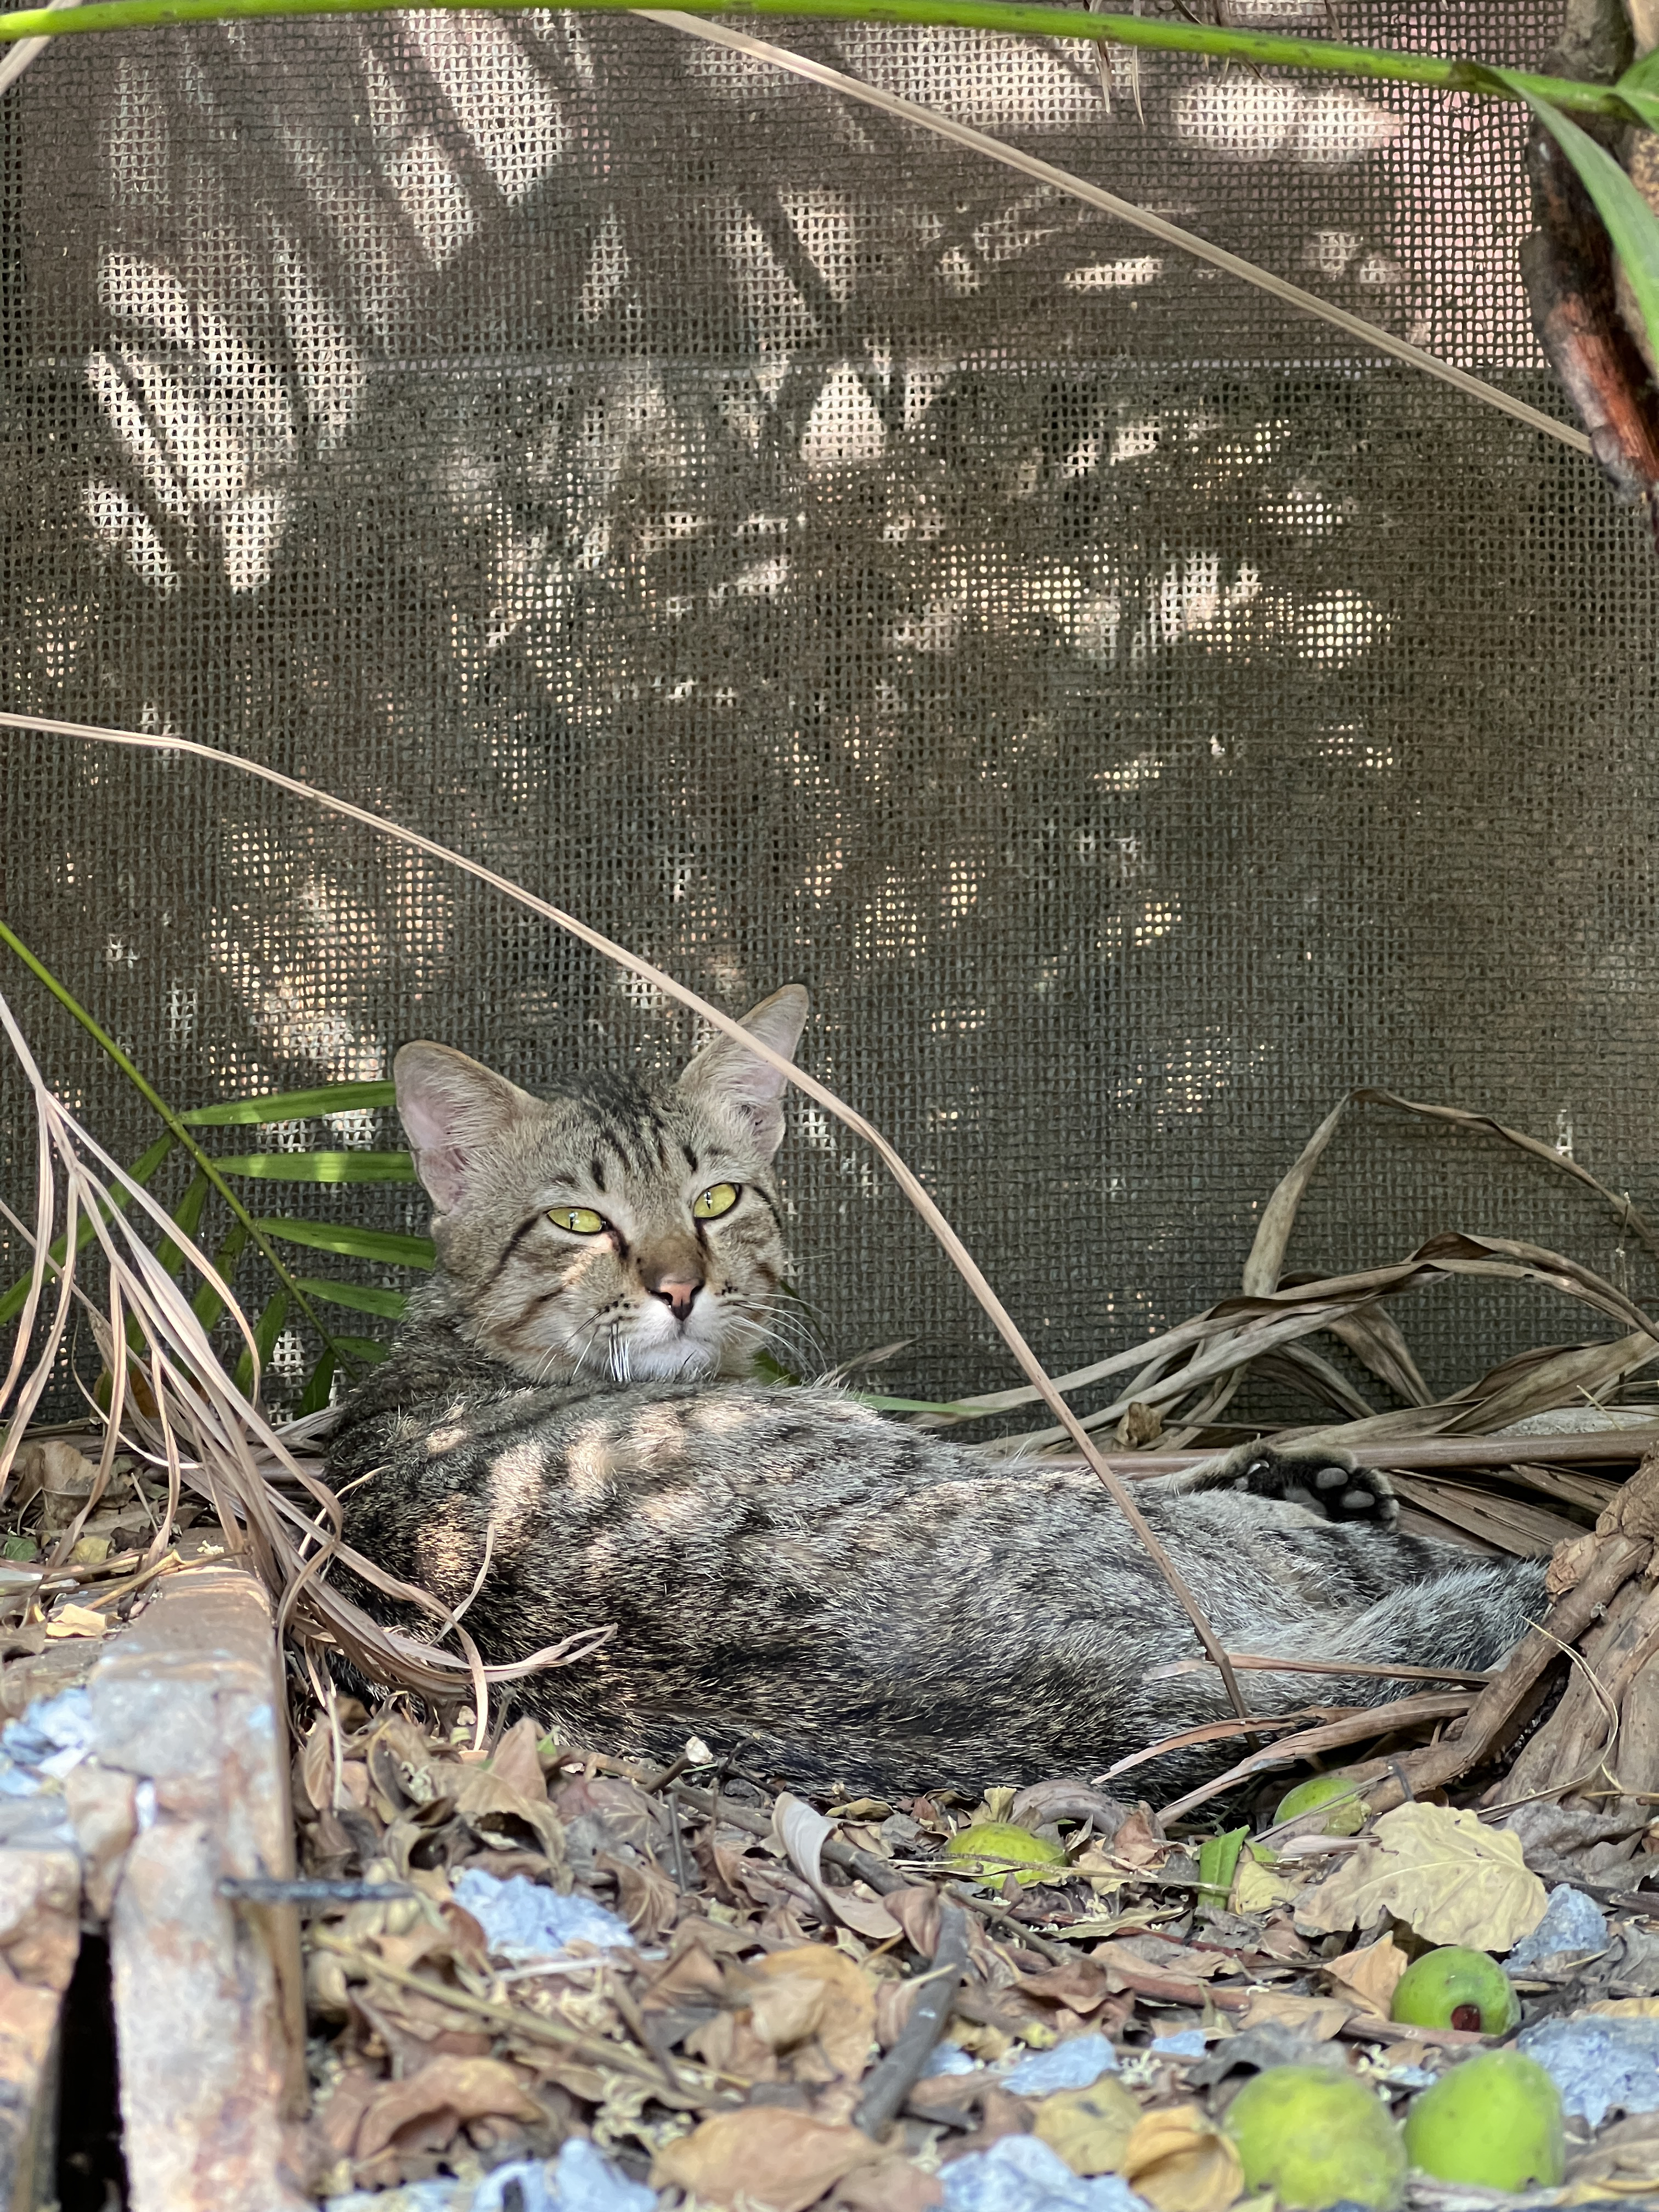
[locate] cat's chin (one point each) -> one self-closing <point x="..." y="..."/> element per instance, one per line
<point x="683" y="1362"/>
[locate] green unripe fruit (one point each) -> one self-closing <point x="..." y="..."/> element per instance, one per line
<point x="1346" y="1819"/>
<point x="1495" y="2120"/>
<point x="1315" y="2136"/>
<point x="1455" y="1988"/>
<point x="997" y="1847"/>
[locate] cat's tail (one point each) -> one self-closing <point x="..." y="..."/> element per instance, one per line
<point x="1464" y="1618"/>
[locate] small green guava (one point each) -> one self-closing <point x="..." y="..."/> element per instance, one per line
<point x="1346" y="1819"/>
<point x="1456" y="1988"/>
<point x="996" y="1848"/>
<point x="1315" y="2136"/>
<point x="1495" y="2120"/>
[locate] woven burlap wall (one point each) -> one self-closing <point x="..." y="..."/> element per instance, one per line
<point x="805" y="550"/>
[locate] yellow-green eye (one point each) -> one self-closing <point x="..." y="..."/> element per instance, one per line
<point x="580" y="1220"/>
<point x="720" y="1198"/>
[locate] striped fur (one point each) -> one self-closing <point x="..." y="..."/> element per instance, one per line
<point x="798" y="1581"/>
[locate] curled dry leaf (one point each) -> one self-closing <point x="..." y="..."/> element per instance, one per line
<point x="1318" y="2019"/>
<point x="516" y="1763"/>
<point x="894" y="2185"/>
<point x="1090" y="2128"/>
<point x="769" y="2156"/>
<point x="1370" y="1977"/>
<point x="460" y="2088"/>
<point x="479" y="1794"/>
<point x="1179" y="2162"/>
<point x="1136" y="1842"/>
<point x="803" y="1832"/>
<point x="1449" y="1879"/>
<point x="649" y="1899"/>
<point x="77" y="1620"/>
<point x="816" y="1991"/>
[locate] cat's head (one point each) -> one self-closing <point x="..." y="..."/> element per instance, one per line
<point x="616" y="1229"/>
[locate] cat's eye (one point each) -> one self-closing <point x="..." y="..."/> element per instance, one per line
<point x="580" y="1220"/>
<point x="720" y="1198"/>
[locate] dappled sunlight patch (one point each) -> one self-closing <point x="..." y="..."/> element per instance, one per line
<point x="844" y="428"/>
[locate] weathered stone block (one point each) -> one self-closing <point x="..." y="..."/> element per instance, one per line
<point x="187" y="1704"/>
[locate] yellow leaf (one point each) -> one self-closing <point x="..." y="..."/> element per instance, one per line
<point x="1449" y="1879"/>
<point x="1370" y="1977"/>
<point x="77" y="1620"/>
<point x="1627" y="2007"/>
<point x="1258" y="1888"/>
<point x="90" y="1552"/>
<point x="1179" y="2162"/>
<point x="1317" y="2018"/>
<point x="766" y="2154"/>
<point x="1090" y="2128"/>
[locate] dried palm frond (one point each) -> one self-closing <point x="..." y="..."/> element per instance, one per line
<point x="206" y="1433"/>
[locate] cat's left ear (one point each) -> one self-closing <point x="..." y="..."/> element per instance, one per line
<point x="726" y="1076"/>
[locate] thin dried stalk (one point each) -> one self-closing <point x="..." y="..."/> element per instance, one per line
<point x="1331" y="1735"/>
<point x="1370" y="335"/>
<point x="197" y="1402"/>
<point x="1589" y="1447"/>
<point x="1459" y="1117"/>
<point x="955" y="1249"/>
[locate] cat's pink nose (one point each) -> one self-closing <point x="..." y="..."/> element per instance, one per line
<point x="677" y="1297"/>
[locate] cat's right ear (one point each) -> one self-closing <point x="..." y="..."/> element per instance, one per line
<point x="452" y="1108"/>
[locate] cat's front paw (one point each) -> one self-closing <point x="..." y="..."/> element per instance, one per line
<point x="1326" y="1482"/>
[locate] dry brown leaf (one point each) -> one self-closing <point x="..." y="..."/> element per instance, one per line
<point x="1136" y="1844"/>
<point x="1449" y="1879"/>
<point x="1090" y="2128"/>
<point x="463" y="2088"/>
<point x="316" y="1766"/>
<point x="1179" y="2162"/>
<point x="916" y="1910"/>
<point x="516" y="1764"/>
<point x="77" y="1620"/>
<point x="730" y="2045"/>
<point x="803" y="1832"/>
<point x="648" y="1899"/>
<point x="1370" y="1977"/>
<point x="1623" y="2162"/>
<point x="781" y="2160"/>
<point x="894" y="2185"/>
<point x="337" y="2120"/>
<point x="478" y="1794"/>
<point x="816" y="1991"/>
<point x="1317" y="2018"/>
<point x="1079" y="1985"/>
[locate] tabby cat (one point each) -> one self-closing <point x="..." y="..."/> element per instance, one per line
<point x="816" y="1591"/>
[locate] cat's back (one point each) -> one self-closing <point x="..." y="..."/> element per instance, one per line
<point x="434" y="1449"/>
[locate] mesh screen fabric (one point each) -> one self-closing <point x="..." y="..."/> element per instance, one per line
<point x="806" y="551"/>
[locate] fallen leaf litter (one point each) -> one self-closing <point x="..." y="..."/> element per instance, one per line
<point x="540" y="1976"/>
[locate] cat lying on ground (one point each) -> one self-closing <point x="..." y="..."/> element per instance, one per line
<point x="815" y="1590"/>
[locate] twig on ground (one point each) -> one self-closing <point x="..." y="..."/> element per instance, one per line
<point x="1375" y="1720"/>
<point x="901" y="2070"/>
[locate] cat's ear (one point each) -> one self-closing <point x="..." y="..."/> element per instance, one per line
<point x="452" y="1108"/>
<point x="726" y="1076"/>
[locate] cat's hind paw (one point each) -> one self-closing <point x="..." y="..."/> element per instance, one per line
<point x="1324" y="1481"/>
